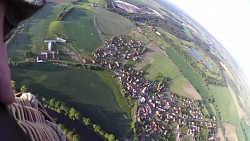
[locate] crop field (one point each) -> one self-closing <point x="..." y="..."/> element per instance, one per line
<point x="78" y="27"/>
<point x="227" y="108"/>
<point x="83" y="89"/>
<point x="176" y="40"/>
<point x="32" y="35"/>
<point x="156" y="62"/>
<point x="187" y="71"/>
<point x="110" y="23"/>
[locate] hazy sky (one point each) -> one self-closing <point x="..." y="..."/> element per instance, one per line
<point x="228" y="21"/>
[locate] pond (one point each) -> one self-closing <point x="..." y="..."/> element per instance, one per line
<point x="195" y="54"/>
<point x="208" y="65"/>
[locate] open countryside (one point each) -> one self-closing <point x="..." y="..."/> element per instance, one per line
<point x="142" y="72"/>
<point x="161" y="64"/>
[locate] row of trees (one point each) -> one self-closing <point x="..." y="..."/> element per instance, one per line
<point x="75" y="115"/>
<point x="15" y="87"/>
<point x="21" y="64"/>
<point x="70" y="133"/>
<point x="64" y="13"/>
<point x="76" y="64"/>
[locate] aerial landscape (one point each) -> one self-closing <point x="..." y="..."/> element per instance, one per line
<point x="136" y="70"/>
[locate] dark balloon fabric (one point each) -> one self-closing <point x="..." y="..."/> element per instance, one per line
<point x="17" y="11"/>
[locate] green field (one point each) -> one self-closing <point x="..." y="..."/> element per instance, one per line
<point x="85" y="90"/>
<point x="112" y="24"/>
<point x="227" y="108"/>
<point x="187" y="71"/>
<point x="78" y="27"/>
<point x="157" y="62"/>
<point x="32" y="36"/>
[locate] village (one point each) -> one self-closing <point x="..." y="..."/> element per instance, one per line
<point x="158" y="107"/>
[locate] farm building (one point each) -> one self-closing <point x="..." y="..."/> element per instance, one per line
<point x="50" y="46"/>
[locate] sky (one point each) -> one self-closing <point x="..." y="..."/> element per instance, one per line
<point x="228" y="21"/>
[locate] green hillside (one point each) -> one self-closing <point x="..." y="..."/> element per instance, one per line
<point x="83" y="89"/>
<point x="30" y="37"/>
<point x="78" y="27"/>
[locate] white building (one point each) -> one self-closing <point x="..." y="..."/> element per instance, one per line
<point x="60" y="40"/>
<point x="50" y="46"/>
<point x="158" y="33"/>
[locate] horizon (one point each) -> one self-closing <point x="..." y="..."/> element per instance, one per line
<point x="216" y="17"/>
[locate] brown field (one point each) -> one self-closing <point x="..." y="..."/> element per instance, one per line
<point x="240" y="111"/>
<point x="190" y="90"/>
<point x="59" y="1"/>
<point x="230" y="132"/>
<point x="181" y="86"/>
<point x="220" y="135"/>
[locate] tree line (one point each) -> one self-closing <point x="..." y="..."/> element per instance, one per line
<point x="73" y="114"/>
<point x="64" y="13"/>
<point x="70" y="133"/>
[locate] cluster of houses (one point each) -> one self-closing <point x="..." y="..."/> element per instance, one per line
<point x="158" y="107"/>
<point x="116" y="53"/>
<point x="48" y="53"/>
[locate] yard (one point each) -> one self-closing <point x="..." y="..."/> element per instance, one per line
<point x="83" y="89"/>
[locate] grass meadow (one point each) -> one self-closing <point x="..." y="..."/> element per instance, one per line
<point x="112" y="24"/>
<point x="78" y="27"/>
<point x="91" y="92"/>
<point x="156" y="62"/>
<point x="187" y="71"/>
<point x="228" y="110"/>
<point x="32" y="35"/>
